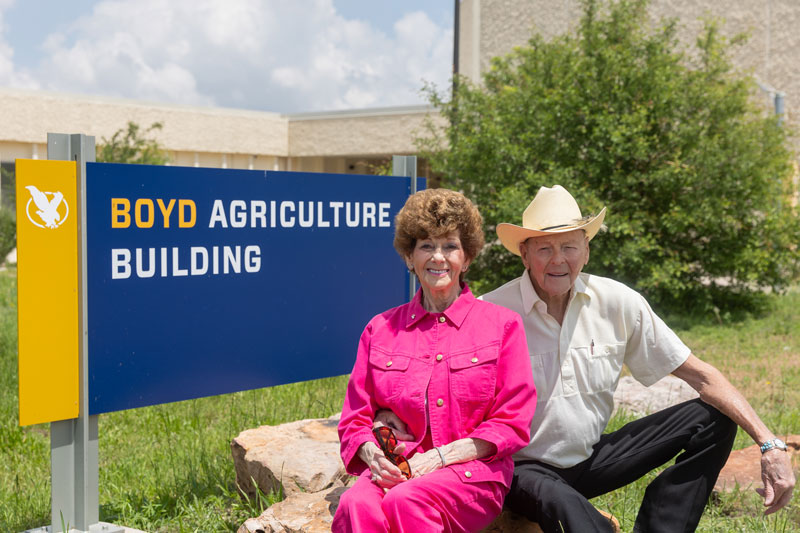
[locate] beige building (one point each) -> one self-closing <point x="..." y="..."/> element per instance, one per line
<point x="354" y="142"/>
<point x="489" y="28"/>
<point x="358" y="141"/>
<point x="341" y="141"/>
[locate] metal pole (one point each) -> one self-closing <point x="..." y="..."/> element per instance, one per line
<point x="456" y="37"/>
<point x="780" y="108"/>
<point x="406" y="165"/>
<point x="74" y="443"/>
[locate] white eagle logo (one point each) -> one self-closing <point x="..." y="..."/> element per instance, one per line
<point x="47" y="208"/>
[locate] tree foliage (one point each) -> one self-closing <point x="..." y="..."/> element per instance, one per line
<point x="8" y="232"/>
<point x="696" y="177"/>
<point x="131" y="145"/>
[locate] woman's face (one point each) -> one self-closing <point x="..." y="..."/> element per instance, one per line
<point x="438" y="263"/>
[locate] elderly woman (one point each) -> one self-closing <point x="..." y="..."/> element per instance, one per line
<point x="454" y="369"/>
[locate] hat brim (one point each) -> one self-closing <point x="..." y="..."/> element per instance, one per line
<point x="512" y="235"/>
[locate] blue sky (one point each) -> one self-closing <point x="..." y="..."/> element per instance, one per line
<point x="271" y="55"/>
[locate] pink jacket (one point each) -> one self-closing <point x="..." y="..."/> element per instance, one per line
<point x="472" y="362"/>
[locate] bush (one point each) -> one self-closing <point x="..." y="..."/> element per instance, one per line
<point x="8" y="232"/>
<point x="8" y="192"/>
<point x="696" y="178"/>
<point x="129" y="145"/>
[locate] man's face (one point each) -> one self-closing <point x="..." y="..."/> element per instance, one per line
<point x="554" y="262"/>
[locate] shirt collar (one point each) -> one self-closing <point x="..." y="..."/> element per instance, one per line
<point x="530" y="297"/>
<point x="456" y="313"/>
<point x="580" y="285"/>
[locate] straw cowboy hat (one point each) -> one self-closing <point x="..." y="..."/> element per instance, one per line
<point x="553" y="210"/>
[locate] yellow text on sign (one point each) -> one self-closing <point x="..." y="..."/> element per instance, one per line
<point x="145" y="212"/>
<point x="47" y="290"/>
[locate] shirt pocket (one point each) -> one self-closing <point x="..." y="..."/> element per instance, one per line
<point x="473" y="376"/>
<point x="597" y="367"/>
<point x="388" y="374"/>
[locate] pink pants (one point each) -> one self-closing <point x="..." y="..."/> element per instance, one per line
<point x="438" y="501"/>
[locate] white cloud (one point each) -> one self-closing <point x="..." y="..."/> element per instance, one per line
<point x="10" y="76"/>
<point x="277" y="56"/>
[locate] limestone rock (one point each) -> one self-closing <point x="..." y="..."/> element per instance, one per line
<point x="743" y="469"/>
<point x="303" y="458"/>
<point x="300" y="456"/>
<point x="299" y="513"/>
<point x="313" y="513"/>
<point x="633" y="397"/>
<point x="509" y="522"/>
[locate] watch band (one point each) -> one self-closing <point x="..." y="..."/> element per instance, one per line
<point x="773" y="443"/>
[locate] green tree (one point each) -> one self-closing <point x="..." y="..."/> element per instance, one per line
<point x="8" y="193"/>
<point x="696" y="177"/>
<point x="131" y="145"/>
<point x="8" y="232"/>
<point x="8" y="222"/>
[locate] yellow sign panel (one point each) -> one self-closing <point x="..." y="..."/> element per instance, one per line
<point x="47" y="289"/>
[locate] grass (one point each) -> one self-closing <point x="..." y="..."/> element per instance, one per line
<point x="168" y="468"/>
<point x="162" y="468"/>
<point x="761" y="357"/>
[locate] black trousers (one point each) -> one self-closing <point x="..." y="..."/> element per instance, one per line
<point x="557" y="498"/>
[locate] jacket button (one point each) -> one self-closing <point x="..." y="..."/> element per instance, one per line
<point x="474" y="359"/>
<point x="441" y="319"/>
<point x="440" y="402"/>
<point x="413" y="317"/>
<point x="467" y="474"/>
<point x="439" y="357"/>
<point x="389" y="363"/>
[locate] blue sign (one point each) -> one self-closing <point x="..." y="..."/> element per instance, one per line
<point x="210" y="281"/>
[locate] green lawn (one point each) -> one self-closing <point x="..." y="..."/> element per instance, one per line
<point x="169" y="467"/>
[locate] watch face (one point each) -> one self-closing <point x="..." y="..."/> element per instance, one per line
<point x="780" y="444"/>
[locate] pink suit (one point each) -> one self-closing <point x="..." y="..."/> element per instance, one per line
<point x="471" y="364"/>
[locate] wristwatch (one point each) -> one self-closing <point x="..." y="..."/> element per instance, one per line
<point x="774" y="443"/>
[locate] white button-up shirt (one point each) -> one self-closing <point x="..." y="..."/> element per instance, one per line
<point x="577" y="365"/>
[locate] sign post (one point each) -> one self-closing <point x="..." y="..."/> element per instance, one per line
<point x="74" y="442"/>
<point x="406" y="165"/>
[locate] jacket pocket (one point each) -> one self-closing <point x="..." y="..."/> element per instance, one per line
<point x="473" y="376"/>
<point x="387" y="371"/>
<point x="477" y="471"/>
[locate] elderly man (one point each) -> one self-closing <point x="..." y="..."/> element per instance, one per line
<point x="581" y="329"/>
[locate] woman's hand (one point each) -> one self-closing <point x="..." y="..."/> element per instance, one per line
<point x="425" y="463"/>
<point x="383" y="472"/>
<point x="458" y="451"/>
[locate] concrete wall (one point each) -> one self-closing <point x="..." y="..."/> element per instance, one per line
<point x="375" y="132"/>
<point x="26" y="117"/>
<point x="772" y="52"/>
<point x="470" y="39"/>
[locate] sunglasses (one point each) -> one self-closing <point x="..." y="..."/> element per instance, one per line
<point x="388" y="442"/>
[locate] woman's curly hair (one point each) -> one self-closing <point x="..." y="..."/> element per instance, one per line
<point x="434" y="213"/>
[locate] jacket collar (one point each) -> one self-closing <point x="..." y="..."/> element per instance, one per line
<point x="456" y="313"/>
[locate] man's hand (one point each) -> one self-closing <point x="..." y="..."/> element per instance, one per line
<point x="386" y="417"/>
<point x="778" y="478"/>
<point x="716" y="390"/>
